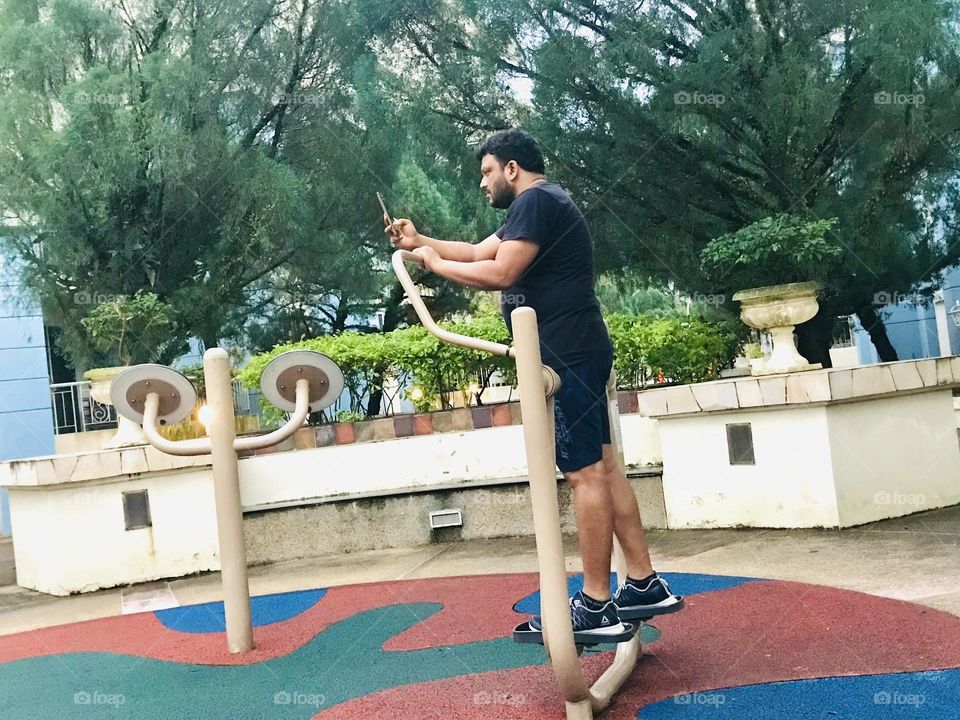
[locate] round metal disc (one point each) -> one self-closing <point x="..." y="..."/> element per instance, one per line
<point x="279" y="380"/>
<point x="130" y="388"/>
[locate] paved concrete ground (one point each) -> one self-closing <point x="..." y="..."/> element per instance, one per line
<point x="916" y="558"/>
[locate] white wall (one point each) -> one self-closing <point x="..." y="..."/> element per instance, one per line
<point x="822" y="465"/>
<point x="68" y="512"/>
<point x="894" y="456"/>
<point x="72" y="538"/>
<point x="791" y="484"/>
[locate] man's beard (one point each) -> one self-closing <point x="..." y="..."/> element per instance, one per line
<point x="502" y="197"/>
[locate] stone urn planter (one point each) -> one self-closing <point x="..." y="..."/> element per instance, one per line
<point x="128" y="432"/>
<point x="777" y="309"/>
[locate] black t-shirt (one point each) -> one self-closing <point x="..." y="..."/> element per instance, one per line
<point x="559" y="282"/>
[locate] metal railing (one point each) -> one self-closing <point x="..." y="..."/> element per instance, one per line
<point x="75" y="411"/>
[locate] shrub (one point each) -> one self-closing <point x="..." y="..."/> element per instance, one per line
<point x="776" y="250"/>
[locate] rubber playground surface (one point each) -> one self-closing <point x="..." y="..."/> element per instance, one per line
<point x="742" y="648"/>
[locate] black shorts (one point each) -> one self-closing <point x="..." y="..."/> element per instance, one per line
<point x="580" y="412"/>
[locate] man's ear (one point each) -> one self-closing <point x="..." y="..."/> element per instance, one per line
<point x="511" y="170"/>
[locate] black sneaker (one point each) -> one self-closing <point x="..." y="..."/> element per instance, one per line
<point x="591" y="627"/>
<point x="641" y="603"/>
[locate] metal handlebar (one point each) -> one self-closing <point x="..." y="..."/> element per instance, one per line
<point x="400" y="257"/>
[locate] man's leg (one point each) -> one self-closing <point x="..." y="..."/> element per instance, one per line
<point x="642" y="594"/>
<point x="626" y="518"/>
<point x="593" y="505"/>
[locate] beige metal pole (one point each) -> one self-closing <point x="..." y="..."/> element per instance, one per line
<point x="171" y="447"/>
<point x="541" y="465"/>
<point x="300" y="413"/>
<point x="226" y="488"/>
<point x="627" y="653"/>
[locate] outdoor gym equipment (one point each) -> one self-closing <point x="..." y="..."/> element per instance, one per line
<point x="298" y="381"/>
<point x="538" y="384"/>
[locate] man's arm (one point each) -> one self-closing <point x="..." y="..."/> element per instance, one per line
<point x="464" y="252"/>
<point x="510" y="262"/>
<point x="404" y="235"/>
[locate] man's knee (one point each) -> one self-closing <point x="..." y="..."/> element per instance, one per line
<point x="588" y="475"/>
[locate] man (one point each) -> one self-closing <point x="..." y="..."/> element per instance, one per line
<point x="542" y="257"/>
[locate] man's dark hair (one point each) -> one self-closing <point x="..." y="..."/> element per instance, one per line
<point x="513" y="144"/>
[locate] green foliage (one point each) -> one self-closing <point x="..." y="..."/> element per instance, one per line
<point x="409" y="355"/>
<point x="689" y="350"/>
<point x="194" y="373"/>
<point x="626" y="293"/>
<point x="773" y="251"/>
<point x="686" y="349"/>
<point x="224" y="159"/>
<point x="132" y="329"/>
<point x="348" y="416"/>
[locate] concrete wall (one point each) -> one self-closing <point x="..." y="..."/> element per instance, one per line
<point x="376" y="468"/>
<point x="397" y="521"/>
<point x="71" y="535"/>
<point x="791" y="484"/>
<point x="26" y="418"/>
<point x="73" y="539"/>
<point x="816" y="465"/>
<point x="894" y="456"/>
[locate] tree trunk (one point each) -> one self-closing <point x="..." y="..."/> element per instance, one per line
<point x="815" y="337"/>
<point x="873" y="324"/>
<point x="209" y="340"/>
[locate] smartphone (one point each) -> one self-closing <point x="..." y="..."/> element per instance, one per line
<point x="384" y="206"/>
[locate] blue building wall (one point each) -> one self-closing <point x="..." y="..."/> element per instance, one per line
<point x="912" y="327"/>
<point x="951" y="293"/>
<point x="26" y="418"/>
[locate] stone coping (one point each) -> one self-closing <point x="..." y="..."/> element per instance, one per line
<point x="102" y="464"/>
<point x="811" y="387"/>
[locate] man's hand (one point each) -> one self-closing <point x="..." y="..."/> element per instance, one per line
<point x="402" y="233"/>
<point x="429" y="255"/>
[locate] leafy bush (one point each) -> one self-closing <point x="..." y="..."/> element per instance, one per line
<point x="346" y="416"/>
<point x="135" y="329"/>
<point x="776" y="250"/>
<point x="410" y="355"/>
<point x="685" y="349"/>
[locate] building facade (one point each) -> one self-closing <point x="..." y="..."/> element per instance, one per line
<point x="26" y="418"/>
